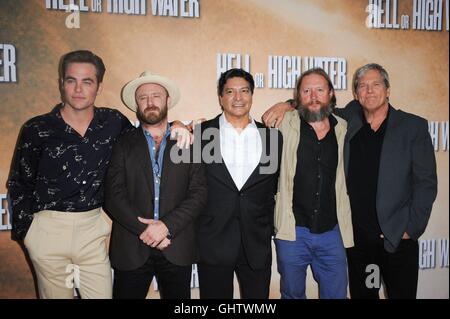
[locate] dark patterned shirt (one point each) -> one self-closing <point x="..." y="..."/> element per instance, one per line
<point x="56" y="168"/>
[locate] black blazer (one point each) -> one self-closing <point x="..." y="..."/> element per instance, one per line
<point x="407" y="181"/>
<point x="129" y="193"/>
<point x="232" y="216"/>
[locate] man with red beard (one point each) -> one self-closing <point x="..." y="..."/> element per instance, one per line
<point x="312" y="213"/>
<point x="152" y="200"/>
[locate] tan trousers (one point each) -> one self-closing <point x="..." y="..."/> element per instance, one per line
<point x="67" y="248"/>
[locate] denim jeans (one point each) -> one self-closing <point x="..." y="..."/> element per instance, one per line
<point x="325" y="253"/>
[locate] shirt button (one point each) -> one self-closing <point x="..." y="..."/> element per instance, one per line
<point x="315" y="210"/>
<point x="64" y="167"/>
<point x="318" y="176"/>
<point x="317" y="194"/>
<point x="84" y="182"/>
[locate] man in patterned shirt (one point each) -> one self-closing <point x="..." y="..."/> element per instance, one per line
<point x="56" y="183"/>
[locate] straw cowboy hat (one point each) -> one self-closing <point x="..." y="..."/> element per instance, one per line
<point x="129" y="90"/>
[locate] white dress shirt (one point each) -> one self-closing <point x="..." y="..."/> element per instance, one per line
<point x="242" y="151"/>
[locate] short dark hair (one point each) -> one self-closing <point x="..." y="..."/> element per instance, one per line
<point x="234" y="73"/>
<point x="317" y="71"/>
<point x="82" y="56"/>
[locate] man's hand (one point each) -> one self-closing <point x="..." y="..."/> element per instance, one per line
<point x="155" y="233"/>
<point x="164" y="244"/>
<point x="275" y="114"/>
<point x="181" y="133"/>
<point x="193" y="123"/>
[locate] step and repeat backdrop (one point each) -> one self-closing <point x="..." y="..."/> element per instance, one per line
<point x="193" y="41"/>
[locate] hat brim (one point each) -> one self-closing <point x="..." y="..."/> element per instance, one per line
<point x="129" y="90"/>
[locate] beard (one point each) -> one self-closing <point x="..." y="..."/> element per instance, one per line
<point x="149" y="116"/>
<point x="326" y="109"/>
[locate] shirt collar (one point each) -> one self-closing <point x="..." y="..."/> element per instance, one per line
<point x="96" y="123"/>
<point x="224" y="123"/>
<point x="166" y="133"/>
<point x="331" y="118"/>
<point x="382" y="126"/>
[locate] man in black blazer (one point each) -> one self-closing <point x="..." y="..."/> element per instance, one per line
<point x="152" y="199"/>
<point x="241" y="159"/>
<point x="392" y="184"/>
<point x="390" y="168"/>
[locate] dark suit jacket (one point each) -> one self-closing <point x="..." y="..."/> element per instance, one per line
<point x="407" y="181"/>
<point x="129" y="193"/>
<point x="232" y="216"/>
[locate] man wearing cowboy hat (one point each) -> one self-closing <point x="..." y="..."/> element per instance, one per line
<point x="152" y="200"/>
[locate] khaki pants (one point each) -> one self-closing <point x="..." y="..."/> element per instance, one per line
<point x="59" y="242"/>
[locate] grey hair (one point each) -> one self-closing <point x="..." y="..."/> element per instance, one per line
<point x="364" y="69"/>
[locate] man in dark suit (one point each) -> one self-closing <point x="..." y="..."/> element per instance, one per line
<point x="152" y="199"/>
<point x="235" y="230"/>
<point x="391" y="176"/>
<point x="391" y="179"/>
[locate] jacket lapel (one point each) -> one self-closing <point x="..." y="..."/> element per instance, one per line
<point x="340" y="131"/>
<point x="354" y="124"/>
<point x="220" y="170"/>
<point x="143" y="157"/>
<point x="389" y="149"/>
